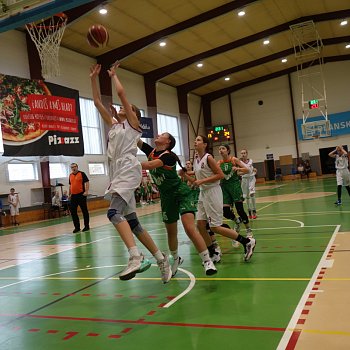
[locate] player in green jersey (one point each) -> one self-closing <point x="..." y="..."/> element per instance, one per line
<point x="176" y="198"/>
<point x="231" y="186"/>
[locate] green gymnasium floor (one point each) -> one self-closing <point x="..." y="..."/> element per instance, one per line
<point x="74" y="300"/>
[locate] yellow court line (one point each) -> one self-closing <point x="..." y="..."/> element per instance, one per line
<point x="178" y="278"/>
<point x="318" y="331"/>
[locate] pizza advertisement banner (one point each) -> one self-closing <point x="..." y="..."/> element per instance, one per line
<point x="39" y="118"/>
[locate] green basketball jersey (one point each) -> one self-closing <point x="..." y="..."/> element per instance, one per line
<point x="165" y="177"/>
<point x="230" y="175"/>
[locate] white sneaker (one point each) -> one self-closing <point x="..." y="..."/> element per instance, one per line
<point x="165" y="270"/>
<point x="235" y="244"/>
<point x="217" y="248"/>
<point x="136" y="264"/>
<point x="216" y="258"/>
<point x="249" y="249"/>
<point x="210" y="268"/>
<point x="175" y="265"/>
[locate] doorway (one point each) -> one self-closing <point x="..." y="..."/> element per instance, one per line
<point x="327" y="163"/>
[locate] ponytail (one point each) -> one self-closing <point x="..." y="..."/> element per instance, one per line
<point x="170" y="147"/>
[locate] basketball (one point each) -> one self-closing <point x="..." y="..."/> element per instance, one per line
<point x="97" y="36"/>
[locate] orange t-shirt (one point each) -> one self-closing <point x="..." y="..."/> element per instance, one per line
<point x="77" y="181"/>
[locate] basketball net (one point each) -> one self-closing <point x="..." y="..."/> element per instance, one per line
<point x="47" y="35"/>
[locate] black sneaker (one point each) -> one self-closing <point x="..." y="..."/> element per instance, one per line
<point x="86" y="229"/>
<point x="76" y="230"/>
<point x="338" y="202"/>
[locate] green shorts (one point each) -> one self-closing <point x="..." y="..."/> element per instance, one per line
<point x="177" y="202"/>
<point x="232" y="193"/>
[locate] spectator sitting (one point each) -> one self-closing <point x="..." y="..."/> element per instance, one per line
<point x="307" y="168"/>
<point x="56" y="201"/>
<point x="278" y="174"/>
<point x="2" y="212"/>
<point x="301" y="169"/>
<point x="65" y="203"/>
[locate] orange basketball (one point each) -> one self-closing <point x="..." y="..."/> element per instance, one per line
<point x="97" y="36"/>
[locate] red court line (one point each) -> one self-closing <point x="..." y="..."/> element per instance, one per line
<point x="293" y="340"/>
<point x="142" y="322"/>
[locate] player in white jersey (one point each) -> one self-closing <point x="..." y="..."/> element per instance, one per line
<point x="125" y="177"/>
<point x="210" y="202"/>
<point x="248" y="184"/>
<point x="343" y="174"/>
<point x="13" y="200"/>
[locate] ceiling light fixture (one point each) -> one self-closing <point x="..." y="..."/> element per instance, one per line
<point x="347" y="46"/>
<point x="284" y="60"/>
<point x="162" y="43"/>
<point x="344" y="22"/>
<point x="200" y="65"/>
<point x="241" y="13"/>
<point x="266" y="42"/>
<point x="227" y="78"/>
<point x="102" y="10"/>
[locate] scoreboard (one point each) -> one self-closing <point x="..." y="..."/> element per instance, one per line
<point x="219" y="133"/>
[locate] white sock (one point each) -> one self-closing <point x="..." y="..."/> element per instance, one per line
<point x="252" y="201"/>
<point x="174" y="254"/>
<point x="205" y="255"/>
<point x="158" y="255"/>
<point x="133" y="251"/>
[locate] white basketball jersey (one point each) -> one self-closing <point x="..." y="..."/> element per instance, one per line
<point x="202" y="170"/>
<point x="249" y="164"/>
<point x="341" y="162"/>
<point x="122" y="140"/>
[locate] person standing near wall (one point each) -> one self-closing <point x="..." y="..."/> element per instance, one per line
<point x="14" y="203"/>
<point x="78" y="191"/>
<point x="343" y="174"/>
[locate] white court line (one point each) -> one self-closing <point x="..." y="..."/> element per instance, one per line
<point x="307" y="213"/>
<point x="293" y="322"/>
<point x="186" y="291"/>
<point x="266" y="206"/>
<point x="291" y="227"/>
<point x="64" y="250"/>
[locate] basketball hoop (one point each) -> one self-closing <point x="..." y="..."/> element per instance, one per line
<point x="47" y="35"/>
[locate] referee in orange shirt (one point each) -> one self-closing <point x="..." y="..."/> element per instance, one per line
<point x="78" y="191"/>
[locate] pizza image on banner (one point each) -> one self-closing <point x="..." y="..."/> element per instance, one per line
<point x="13" y="94"/>
<point x="39" y="118"/>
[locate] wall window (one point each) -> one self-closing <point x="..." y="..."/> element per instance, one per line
<point x="97" y="169"/>
<point x="58" y="170"/>
<point x="167" y="123"/>
<point x="22" y="171"/>
<point x="90" y="120"/>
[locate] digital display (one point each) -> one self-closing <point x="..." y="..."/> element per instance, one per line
<point x="313" y="104"/>
<point x="219" y="133"/>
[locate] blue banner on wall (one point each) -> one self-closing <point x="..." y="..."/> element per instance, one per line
<point x="147" y="127"/>
<point x="339" y="124"/>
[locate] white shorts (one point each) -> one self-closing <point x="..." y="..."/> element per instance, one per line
<point x="210" y="206"/>
<point x="125" y="174"/>
<point x="248" y="186"/>
<point x="343" y="177"/>
<point x="14" y="210"/>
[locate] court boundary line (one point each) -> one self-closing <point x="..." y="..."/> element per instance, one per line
<point x="292" y="333"/>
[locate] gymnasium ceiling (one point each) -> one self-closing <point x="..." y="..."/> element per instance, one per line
<point x="206" y="31"/>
